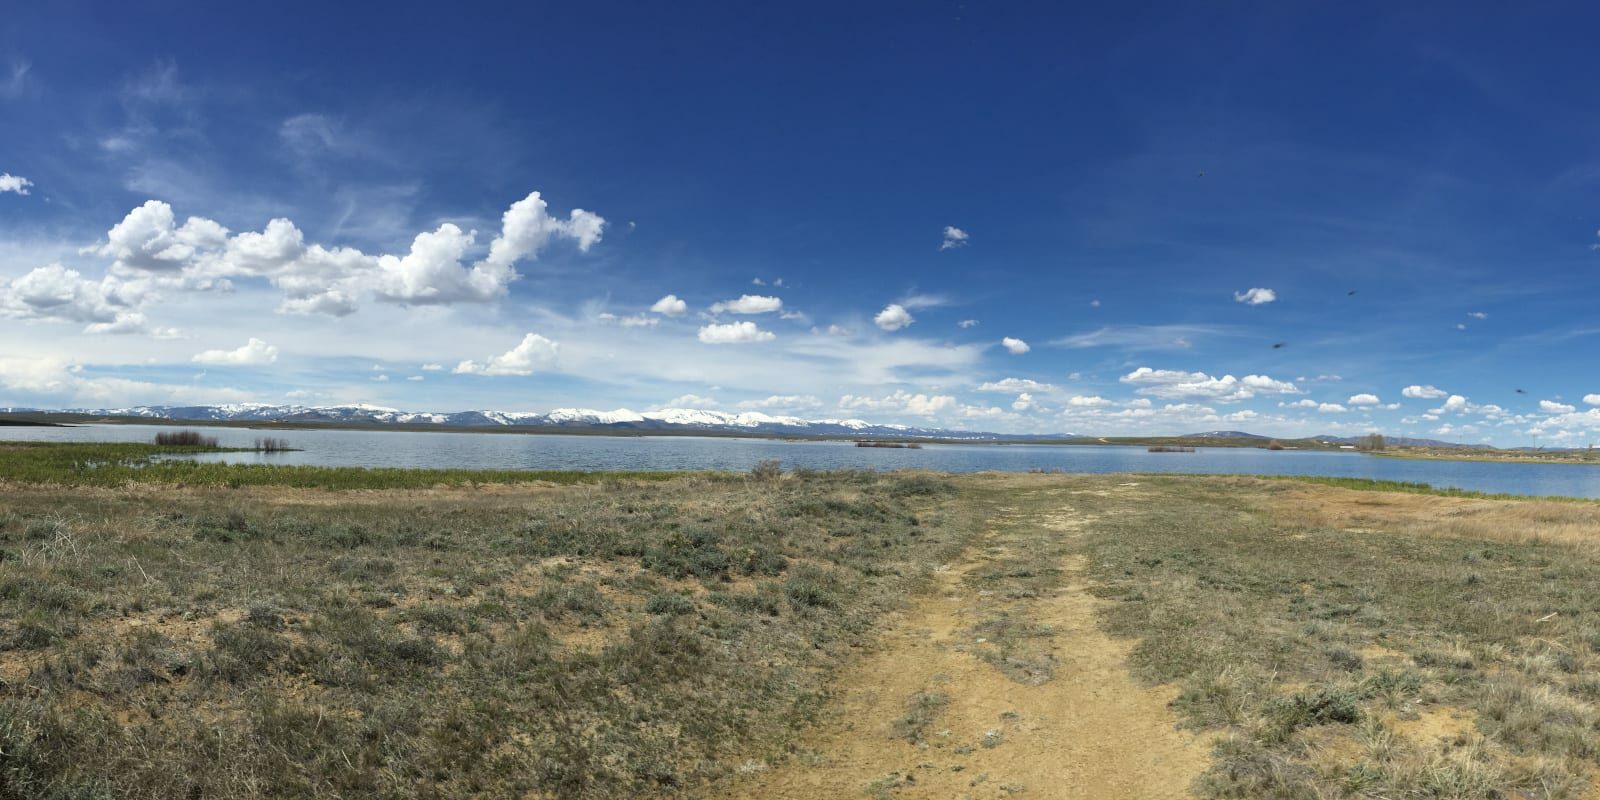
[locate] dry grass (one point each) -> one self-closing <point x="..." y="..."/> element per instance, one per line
<point x="1518" y="521"/>
<point x="1365" y="644"/>
<point x="624" y="638"/>
<point x="606" y="640"/>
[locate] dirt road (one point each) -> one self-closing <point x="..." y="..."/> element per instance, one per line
<point x="997" y="684"/>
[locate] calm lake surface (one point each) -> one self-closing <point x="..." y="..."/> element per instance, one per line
<point x="547" y="451"/>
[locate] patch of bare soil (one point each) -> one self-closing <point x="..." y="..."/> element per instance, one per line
<point x="926" y="715"/>
<point x="1431" y="725"/>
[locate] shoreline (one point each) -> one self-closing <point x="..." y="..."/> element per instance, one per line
<point x="1505" y="457"/>
<point x="120" y="463"/>
<point x="56" y="419"/>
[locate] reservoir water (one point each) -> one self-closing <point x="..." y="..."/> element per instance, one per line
<point x="455" y="450"/>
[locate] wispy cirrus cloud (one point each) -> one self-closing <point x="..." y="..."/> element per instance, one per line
<point x="917" y="301"/>
<point x="16" y="80"/>
<point x="785" y="402"/>
<point x="1014" y="385"/>
<point x="1143" y="337"/>
<point x="748" y="304"/>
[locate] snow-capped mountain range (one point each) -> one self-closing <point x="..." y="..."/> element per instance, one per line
<point x="621" y="420"/>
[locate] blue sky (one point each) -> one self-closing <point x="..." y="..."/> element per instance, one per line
<point x="1103" y="189"/>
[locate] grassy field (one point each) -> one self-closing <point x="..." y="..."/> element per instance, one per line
<point x="604" y="640"/>
<point x="181" y="630"/>
<point x="1348" y="643"/>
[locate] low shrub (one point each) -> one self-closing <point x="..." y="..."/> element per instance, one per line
<point x="185" y="439"/>
<point x="670" y="603"/>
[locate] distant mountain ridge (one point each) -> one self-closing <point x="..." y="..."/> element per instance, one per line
<point x="666" y="419"/>
<point x="622" y="420"/>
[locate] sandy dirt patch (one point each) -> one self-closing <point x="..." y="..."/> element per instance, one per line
<point x="1087" y="731"/>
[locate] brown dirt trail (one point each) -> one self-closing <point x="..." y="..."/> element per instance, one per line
<point x="1068" y="721"/>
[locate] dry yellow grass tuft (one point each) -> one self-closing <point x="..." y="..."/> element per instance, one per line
<point x="1295" y="505"/>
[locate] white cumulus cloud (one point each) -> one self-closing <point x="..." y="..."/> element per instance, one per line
<point x="149" y="239"/>
<point x="1331" y="408"/>
<point x="532" y="354"/>
<point x="893" y="317"/>
<point x="1015" y="346"/>
<point x="1088" y="401"/>
<point x="55" y="293"/>
<point x="1428" y="392"/>
<point x="1255" y="297"/>
<point x="1592" y="399"/>
<point x="734" y="333"/>
<point x="253" y="353"/>
<point x="670" y="306"/>
<point x="527" y="227"/>
<point x="1364" y="400"/>
<point x="954" y="237"/>
<point x="1227" y="389"/>
<point x="1554" y="407"/>
<point x="432" y="273"/>
<point x="150" y="251"/>
<point x="14" y="183"/>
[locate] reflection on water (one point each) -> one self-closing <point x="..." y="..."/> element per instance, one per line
<point x="387" y="448"/>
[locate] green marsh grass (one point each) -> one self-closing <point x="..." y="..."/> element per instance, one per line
<point x="116" y="464"/>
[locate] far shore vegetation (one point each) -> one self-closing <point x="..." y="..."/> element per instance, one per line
<point x="1371" y="444"/>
